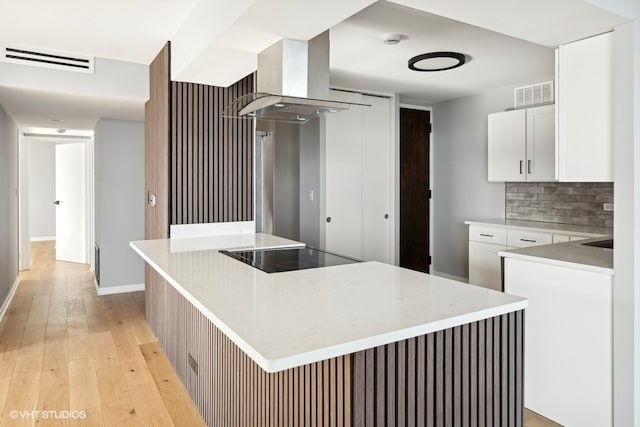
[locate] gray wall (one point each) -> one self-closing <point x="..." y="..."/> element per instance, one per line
<point x="42" y="188"/>
<point x="460" y="187"/>
<point x="119" y="192"/>
<point x="8" y="204"/>
<point x="310" y="181"/>
<point x="286" y="183"/>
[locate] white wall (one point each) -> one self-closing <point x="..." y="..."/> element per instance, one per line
<point x="119" y="203"/>
<point x="42" y="188"/>
<point x="460" y="187"/>
<point x="8" y="205"/>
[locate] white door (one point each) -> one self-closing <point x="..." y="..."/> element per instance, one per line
<point x="376" y="179"/>
<point x="71" y="203"/>
<point x="343" y="157"/>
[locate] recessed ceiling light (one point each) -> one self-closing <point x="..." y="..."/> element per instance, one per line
<point x="278" y="105"/>
<point x="56" y="120"/>
<point x="437" y="61"/>
<point x="61" y="130"/>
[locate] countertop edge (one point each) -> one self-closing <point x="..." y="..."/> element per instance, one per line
<point x="558" y="262"/>
<point x="280" y="364"/>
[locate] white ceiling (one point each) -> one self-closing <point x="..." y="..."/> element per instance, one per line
<point x="136" y="30"/>
<point x="360" y="59"/>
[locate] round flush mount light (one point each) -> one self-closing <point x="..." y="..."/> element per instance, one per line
<point x="437" y="61"/>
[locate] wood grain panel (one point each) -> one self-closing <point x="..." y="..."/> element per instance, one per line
<point x="229" y="389"/>
<point x="212" y="164"/>
<point x="436" y="379"/>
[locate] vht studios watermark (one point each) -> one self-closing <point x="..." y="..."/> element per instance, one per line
<point x="59" y="415"/>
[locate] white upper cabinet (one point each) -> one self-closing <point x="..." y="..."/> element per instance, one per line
<point x="584" y="99"/>
<point x="522" y="145"/>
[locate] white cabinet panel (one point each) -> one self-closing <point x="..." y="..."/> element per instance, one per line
<point x="507" y="151"/>
<point x="541" y="143"/>
<point x="497" y="235"/>
<point x="525" y="238"/>
<point x="484" y="265"/>
<point x="568" y="341"/>
<point x="584" y="84"/>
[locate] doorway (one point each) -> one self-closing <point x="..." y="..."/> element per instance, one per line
<point x="56" y="194"/>
<point x="415" y="194"/>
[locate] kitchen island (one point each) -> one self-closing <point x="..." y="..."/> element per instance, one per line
<point x="357" y="344"/>
<point x="569" y="341"/>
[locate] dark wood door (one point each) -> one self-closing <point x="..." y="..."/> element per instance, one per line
<point x="414" y="189"/>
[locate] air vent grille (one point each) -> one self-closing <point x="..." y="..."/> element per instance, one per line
<point x="47" y="59"/>
<point x="537" y="94"/>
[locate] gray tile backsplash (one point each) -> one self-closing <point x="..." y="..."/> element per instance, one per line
<point x="561" y="202"/>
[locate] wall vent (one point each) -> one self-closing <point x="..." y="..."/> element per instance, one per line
<point x="47" y="59"/>
<point x="536" y="94"/>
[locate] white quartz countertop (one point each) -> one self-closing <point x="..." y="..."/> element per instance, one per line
<point x="544" y="226"/>
<point x="568" y="254"/>
<point x="284" y="320"/>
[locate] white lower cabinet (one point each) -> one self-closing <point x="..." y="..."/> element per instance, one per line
<point x="485" y="241"/>
<point x="484" y="265"/>
<point x="568" y="341"/>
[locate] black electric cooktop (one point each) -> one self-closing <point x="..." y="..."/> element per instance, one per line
<point x="287" y="259"/>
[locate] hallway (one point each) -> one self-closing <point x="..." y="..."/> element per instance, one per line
<point x="81" y="359"/>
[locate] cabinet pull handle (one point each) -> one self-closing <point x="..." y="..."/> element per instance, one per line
<point x="529" y="167"/>
<point x="521" y="162"/>
<point x="486" y="235"/>
<point x="528" y="240"/>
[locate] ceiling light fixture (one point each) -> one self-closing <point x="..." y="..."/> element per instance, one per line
<point x="61" y="130"/>
<point x="56" y="120"/>
<point x="437" y="61"/>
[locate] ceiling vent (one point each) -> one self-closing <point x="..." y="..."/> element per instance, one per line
<point x="47" y="59"/>
<point x="537" y="94"/>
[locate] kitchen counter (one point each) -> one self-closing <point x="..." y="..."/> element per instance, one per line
<point x="286" y="320"/>
<point x="544" y="226"/>
<point x="569" y="254"/>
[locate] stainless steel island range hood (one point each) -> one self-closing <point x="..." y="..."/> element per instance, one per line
<point x="292" y="84"/>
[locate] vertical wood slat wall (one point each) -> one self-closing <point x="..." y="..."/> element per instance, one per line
<point x="470" y="375"/>
<point x="157" y="140"/>
<point x="229" y="389"/>
<point x="211" y="156"/>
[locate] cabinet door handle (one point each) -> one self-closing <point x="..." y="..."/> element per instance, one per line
<point x="521" y="162"/>
<point x="529" y="167"/>
<point x="528" y="240"/>
<point x="486" y="235"/>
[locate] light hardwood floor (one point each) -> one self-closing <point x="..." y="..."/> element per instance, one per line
<point x="63" y="348"/>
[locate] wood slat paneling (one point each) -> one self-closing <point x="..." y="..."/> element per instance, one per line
<point x="212" y="157"/>
<point x="229" y="389"/>
<point x="436" y="380"/>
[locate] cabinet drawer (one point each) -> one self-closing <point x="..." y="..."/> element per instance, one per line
<point x="559" y="238"/>
<point x="497" y="235"/>
<point x="524" y="238"/>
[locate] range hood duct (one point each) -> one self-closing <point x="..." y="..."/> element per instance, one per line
<point x="292" y="84"/>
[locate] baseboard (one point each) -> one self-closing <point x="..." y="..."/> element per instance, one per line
<point x="7" y="301"/>
<point x="122" y="289"/>
<point x="450" y="276"/>
<point x="43" y="239"/>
